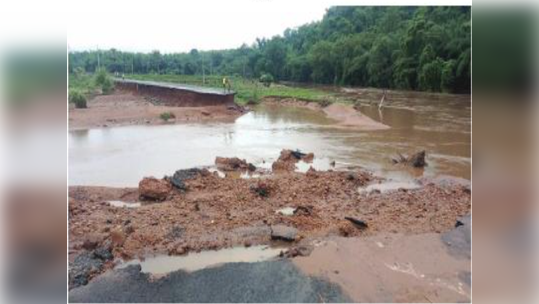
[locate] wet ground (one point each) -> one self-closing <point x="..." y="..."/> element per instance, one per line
<point x="215" y="241"/>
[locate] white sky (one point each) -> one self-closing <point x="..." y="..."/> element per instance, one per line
<point x="180" y="26"/>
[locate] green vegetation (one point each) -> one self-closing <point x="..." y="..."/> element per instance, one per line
<point x="410" y="48"/>
<point x="103" y="80"/>
<point x="84" y="84"/>
<point x="78" y="98"/>
<point x="167" y="115"/>
<point x="247" y="90"/>
<point x="266" y="79"/>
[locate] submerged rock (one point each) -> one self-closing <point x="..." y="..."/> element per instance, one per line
<point x="285" y="233"/>
<point x="154" y="189"/>
<point x="416" y="160"/>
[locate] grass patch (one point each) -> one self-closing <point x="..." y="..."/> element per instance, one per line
<point x="167" y="115"/>
<point x="247" y="90"/>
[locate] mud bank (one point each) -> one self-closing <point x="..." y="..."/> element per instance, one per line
<point x="344" y="115"/>
<point x="124" y="108"/>
<point x="392" y="268"/>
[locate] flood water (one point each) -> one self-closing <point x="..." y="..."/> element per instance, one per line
<point x="121" y="156"/>
<point x="163" y="264"/>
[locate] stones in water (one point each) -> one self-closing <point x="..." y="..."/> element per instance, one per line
<point x="416" y="160"/>
<point x="151" y="188"/>
<point x="284" y="233"/>
<point x="288" y="159"/>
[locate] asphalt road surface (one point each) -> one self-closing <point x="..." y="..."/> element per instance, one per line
<point x="269" y="281"/>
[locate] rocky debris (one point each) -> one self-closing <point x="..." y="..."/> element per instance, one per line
<point x="357" y="222"/>
<point x="117" y="237"/>
<point x="92" y="240"/>
<point x="175" y="233"/>
<point x="152" y="188"/>
<point x="284" y="233"/>
<point x="297" y="251"/>
<point x="180" y="176"/>
<point x="262" y="188"/>
<point x="304" y="210"/>
<point x="205" y="113"/>
<point x="86" y="265"/>
<point x="416" y="160"/>
<point x="229" y="209"/>
<point x="347" y="229"/>
<point x="288" y="159"/>
<point x="233" y="164"/>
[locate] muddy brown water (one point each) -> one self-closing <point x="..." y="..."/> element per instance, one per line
<point x="121" y="156"/>
<point x="163" y="264"/>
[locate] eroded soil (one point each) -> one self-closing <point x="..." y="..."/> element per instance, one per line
<point x="123" y="108"/>
<point x="218" y="212"/>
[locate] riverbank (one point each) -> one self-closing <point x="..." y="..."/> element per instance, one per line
<point x="123" y="108"/>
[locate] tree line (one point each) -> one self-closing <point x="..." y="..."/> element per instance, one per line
<point x="410" y="48"/>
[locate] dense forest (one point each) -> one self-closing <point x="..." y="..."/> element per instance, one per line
<point x="410" y="48"/>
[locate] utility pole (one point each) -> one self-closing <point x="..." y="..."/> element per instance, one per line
<point x="203" y="73"/>
<point x="98" y="65"/>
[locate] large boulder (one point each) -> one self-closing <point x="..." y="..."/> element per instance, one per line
<point x="154" y="189"/>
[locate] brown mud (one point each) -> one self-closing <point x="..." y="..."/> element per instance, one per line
<point x="391" y="268"/>
<point x="124" y="108"/>
<point x="344" y="115"/>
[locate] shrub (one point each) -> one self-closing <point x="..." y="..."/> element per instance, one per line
<point x="266" y="79"/>
<point x="78" y="98"/>
<point x="103" y="80"/>
<point x="107" y="86"/>
<point x="167" y="115"/>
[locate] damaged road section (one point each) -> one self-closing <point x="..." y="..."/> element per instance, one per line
<point x="231" y="283"/>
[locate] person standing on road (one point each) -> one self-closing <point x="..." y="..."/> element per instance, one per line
<point x="224" y="83"/>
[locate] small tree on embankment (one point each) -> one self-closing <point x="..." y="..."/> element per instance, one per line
<point x="104" y="81"/>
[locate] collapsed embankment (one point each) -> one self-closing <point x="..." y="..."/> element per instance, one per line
<point x="196" y="210"/>
<point x="126" y="108"/>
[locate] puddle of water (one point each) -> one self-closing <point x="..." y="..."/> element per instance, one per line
<point x="389" y="186"/>
<point x="105" y="157"/>
<point x="286" y="211"/>
<point x="122" y="204"/>
<point x="163" y="264"/>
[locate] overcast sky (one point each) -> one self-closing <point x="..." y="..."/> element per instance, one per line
<point x="177" y="27"/>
